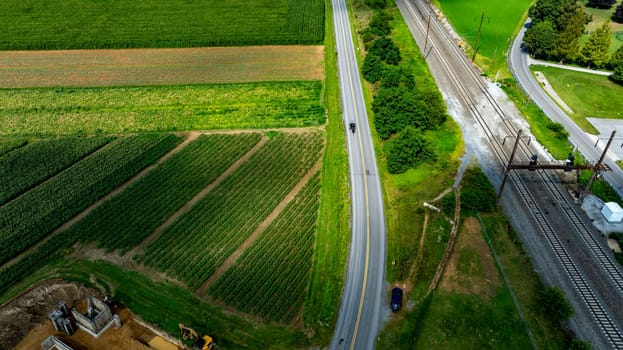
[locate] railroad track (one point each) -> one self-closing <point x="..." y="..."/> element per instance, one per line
<point x="579" y="282"/>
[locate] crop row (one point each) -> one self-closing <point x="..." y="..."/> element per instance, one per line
<point x="201" y="240"/>
<point x="161" y="108"/>
<point x="33" y="215"/>
<point x="9" y="144"/>
<point x="270" y="277"/>
<point x="126" y="219"/>
<point x="173" y="23"/>
<point x="28" y="166"/>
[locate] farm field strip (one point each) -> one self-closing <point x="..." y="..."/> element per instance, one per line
<point x="269" y="279"/>
<point x="32" y="164"/>
<point x="140" y="67"/>
<point x="222" y="220"/>
<point x="33" y="215"/>
<point x="160" y="108"/>
<point x="126" y="219"/>
<point x="9" y="144"/>
<point x="175" y="23"/>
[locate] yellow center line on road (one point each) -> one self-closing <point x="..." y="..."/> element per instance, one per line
<point x="365" y="184"/>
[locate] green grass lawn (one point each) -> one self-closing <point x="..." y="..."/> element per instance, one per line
<point x="52" y="111"/>
<point x="502" y="19"/>
<point x="86" y="24"/>
<point x="588" y="95"/>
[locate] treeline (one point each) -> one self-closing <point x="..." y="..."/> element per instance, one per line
<point x="557" y="26"/>
<point x="403" y="109"/>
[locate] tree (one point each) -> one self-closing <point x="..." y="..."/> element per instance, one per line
<point x="595" y="51"/>
<point x="541" y="39"/>
<point x="385" y="48"/>
<point x="555" y="11"/>
<point x="407" y="150"/>
<point x="393" y="110"/>
<point x="379" y="24"/>
<point x="617" y="16"/>
<point x="555" y="304"/>
<point x="616" y="59"/>
<point x="568" y="42"/>
<point x="600" y="4"/>
<point x="376" y="4"/>
<point x="372" y="68"/>
<point x="617" y="76"/>
<point x="397" y="77"/>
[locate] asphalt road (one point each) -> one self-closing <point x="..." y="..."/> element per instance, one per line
<point x="518" y="62"/>
<point x="363" y="295"/>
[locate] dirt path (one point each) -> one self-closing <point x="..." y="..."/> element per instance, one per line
<point x="190" y="136"/>
<point x="451" y="242"/>
<point x="202" y="291"/>
<point x="127" y="258"/>
<point x="420" y="252"/>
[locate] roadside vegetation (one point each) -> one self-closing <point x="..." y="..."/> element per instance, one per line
<point x="53" y="111"/>
<point x="55" y="25"/>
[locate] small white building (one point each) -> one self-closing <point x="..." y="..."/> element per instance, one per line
<point x="612" y="212"/>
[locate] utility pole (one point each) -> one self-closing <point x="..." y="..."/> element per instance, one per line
<point x="510" y="160"/>
<point x="427" y="29"/>
<point x="482" y="17"/>
<point x="597" y="166"/>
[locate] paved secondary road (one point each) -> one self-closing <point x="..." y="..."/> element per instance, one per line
<point x="519" y="65"/>
<point x="360" y="312"/>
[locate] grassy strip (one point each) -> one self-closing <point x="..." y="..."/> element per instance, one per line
<point x="165" y="305"/>
<point x="556" y="144"/>
<point x="36" y="25"/>
<point x="524" y="281"/>
<point x="33" y="215"/>
<point x="589" y="95"/>
<point x="500" y="21"/>
<point x="271" y="276"/>
<point x="332" y="233"/>
<point x="468" y="321"/>
<point x="226" y="216"/>
<point x="126" y="219"/>
<point x="162" y="108"/>
<point x="9" y="144"/>
<point x="30" y="165"/>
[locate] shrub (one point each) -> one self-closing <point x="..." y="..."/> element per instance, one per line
<point x="477" y="193"/>
<point x="408" y="150"/>
<point x="555" y="304"/>
<point x="372" y="68"/>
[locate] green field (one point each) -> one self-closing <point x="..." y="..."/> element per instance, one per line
<point x="50" y="111"/>
<point x="28" y="166"/>
<point x="129" y="217"/>
<point x="85" y="24"/>
<point x="500" y="22"/>
<point x="271" y="277"/>
<point x="588" y="95"/>
<point x="32" y="216"/>
<point x="228" y="214"/>
<point x="9" y="144"/>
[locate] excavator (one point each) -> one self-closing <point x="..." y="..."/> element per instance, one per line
<point x="204" y="343"/>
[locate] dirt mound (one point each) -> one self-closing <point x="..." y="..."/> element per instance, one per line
<point x="23" y="313"/>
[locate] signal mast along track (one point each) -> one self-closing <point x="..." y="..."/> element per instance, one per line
<point x="593" y="282"/>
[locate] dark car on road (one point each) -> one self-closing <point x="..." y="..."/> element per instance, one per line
<point x="396" y="303"/>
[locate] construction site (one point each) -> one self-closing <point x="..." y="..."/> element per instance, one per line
<point x="60" y="315"/>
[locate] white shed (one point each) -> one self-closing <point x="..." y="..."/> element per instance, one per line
<point x="612" y="212"/>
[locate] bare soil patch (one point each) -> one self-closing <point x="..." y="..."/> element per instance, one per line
<point x="482" y="283"/>
<point x="24" y="323"/>
<point x="130" y="67"/>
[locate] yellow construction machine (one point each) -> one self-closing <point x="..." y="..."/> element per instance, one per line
<point x="204" y="343"/>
